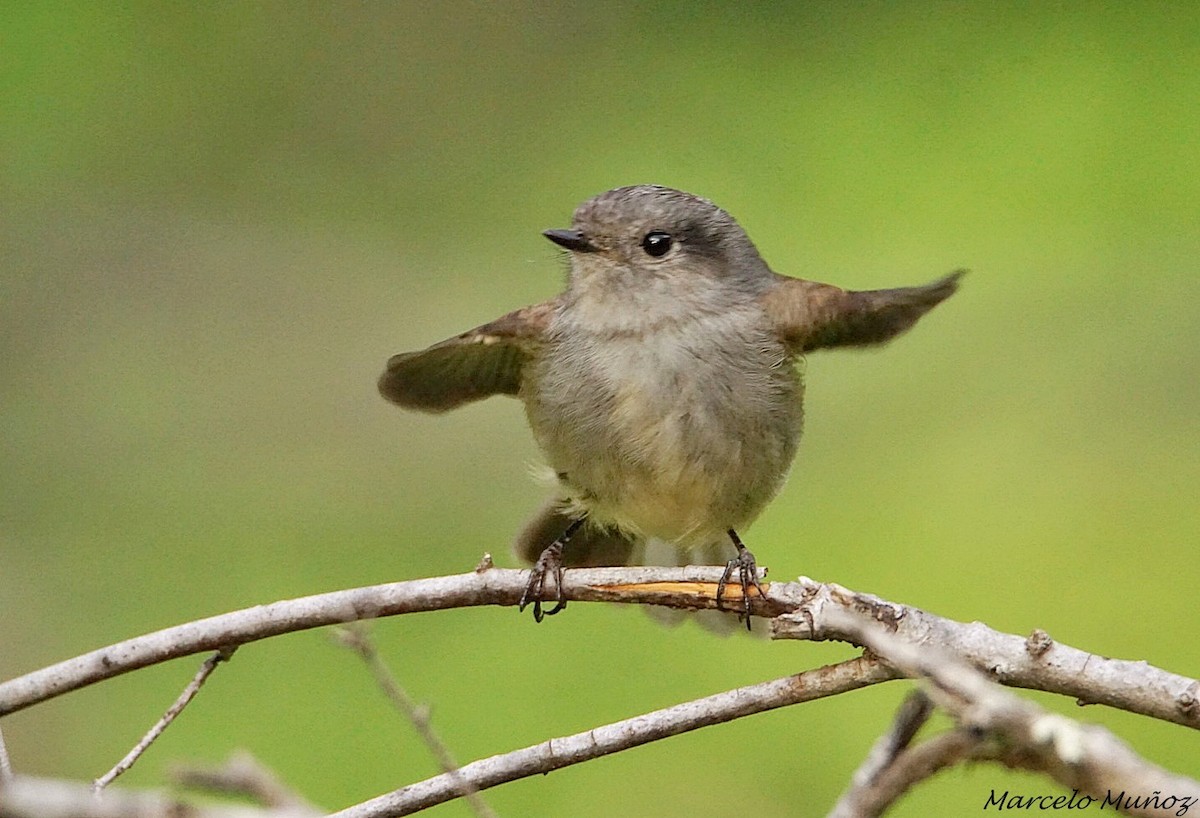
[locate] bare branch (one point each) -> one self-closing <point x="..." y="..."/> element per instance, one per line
<point x="243" y="775"/>
<point x="29" y="797"/>
<point x="912" y="714"/>
<point x="909" y="768"/>
<point x="685" y="587"/>
<point x="358" y="640"/>
<point x="801" y="609"/>
<point x="1034" y="662"/>
<point x="1087" y="758"/>
<point x="1080" y="757"/>
<point x="189" y="693"/>
<point x="622" y="735"/>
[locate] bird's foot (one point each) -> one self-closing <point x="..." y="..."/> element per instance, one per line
<point x="747" y="569"/>
<point x="550" y="562"/>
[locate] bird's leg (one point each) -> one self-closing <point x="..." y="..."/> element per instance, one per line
<point x="550" y="561"/>
<point x="747" y="570"/>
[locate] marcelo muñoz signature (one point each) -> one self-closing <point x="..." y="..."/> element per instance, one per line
<point x="1120" y="801"/>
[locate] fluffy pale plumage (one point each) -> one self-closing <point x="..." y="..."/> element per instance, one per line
<point x="661" y="388"/>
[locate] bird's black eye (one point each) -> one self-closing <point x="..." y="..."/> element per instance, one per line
<point x="656" y="243"/>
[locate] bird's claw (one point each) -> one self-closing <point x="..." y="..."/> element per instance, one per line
<point x="550" y="562"/>
<point x="747" y="569"/>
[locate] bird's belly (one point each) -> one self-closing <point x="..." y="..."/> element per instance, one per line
<point x="668" y="440"/>
<point x="684" y="510"/>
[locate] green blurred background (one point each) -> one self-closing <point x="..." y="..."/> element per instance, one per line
<point x="218" y="220"/>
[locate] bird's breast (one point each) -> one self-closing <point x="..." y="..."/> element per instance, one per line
<point x="674" y="432"/>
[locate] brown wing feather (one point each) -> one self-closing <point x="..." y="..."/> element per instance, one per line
<point x="479" y="363"/>
<point x="809" y="315"/>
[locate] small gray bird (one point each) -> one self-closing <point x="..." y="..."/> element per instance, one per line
<point x="660" y="385"/>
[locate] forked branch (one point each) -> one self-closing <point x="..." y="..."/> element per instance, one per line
<point x="957" y="663"/>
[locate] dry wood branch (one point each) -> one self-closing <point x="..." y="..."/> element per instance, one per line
<point x="1035" y="662"/>
<point x="1087" y="758"/>
<point x="801" y="610"/>
<point x="243" y="775"/>
<point x="908" y="769"/>
<point x="1022" y="735"/>
<point x="29" y="797"/>
<point x="912" y="714"/>
<point x="189" y="693"/>
<point x="6" y="771"/>
<point x="622" y="735"/>
<point x="681" y="587"/>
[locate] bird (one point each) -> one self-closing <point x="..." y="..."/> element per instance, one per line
<point x="661" y="384"/>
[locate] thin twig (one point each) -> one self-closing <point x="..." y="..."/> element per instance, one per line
<point x="6" y="770"/>
<point x="29" y="797"/>
<point x="913" y="766"/>
<point x="622" y="735"/>
<point x="912" y="714"/>
<point x="800" y="609"/>
<point x="244" y="775"/>
<point x="359" y="640"/>
<point x="189" y="693"/>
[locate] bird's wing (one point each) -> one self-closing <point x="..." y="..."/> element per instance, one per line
<point x="479" y="363"/>
<point x="809" y="315"/>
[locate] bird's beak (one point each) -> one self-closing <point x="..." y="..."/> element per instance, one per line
<point x="571" y="239"/>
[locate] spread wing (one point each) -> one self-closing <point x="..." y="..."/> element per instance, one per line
<point x="809" y="315"/>
<point x="479" y="363"/>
